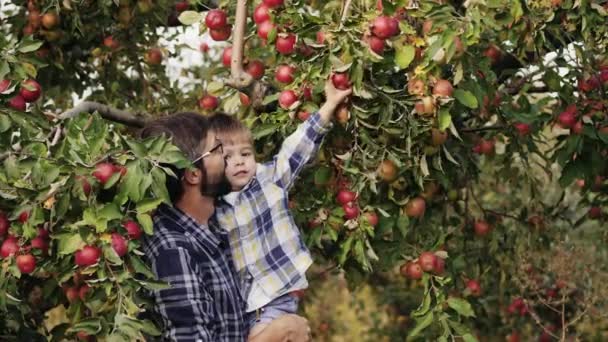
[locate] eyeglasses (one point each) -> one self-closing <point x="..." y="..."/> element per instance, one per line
<point x="219" y="146"/>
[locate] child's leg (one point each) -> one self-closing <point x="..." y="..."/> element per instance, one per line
<point x="286" y="304"/>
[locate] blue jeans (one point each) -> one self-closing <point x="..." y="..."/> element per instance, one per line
<point x="286" y="304"/>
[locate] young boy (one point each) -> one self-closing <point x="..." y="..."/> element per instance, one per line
<point x="268" y="252"/>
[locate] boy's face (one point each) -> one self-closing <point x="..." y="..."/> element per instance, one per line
<point x="240" y="164"/>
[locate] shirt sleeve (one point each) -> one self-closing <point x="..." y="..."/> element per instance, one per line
<point x="296" y="151"/>
<point x="186" y="307"/>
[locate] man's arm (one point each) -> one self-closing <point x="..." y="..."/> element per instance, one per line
<point x="186" y="307"/>
<point x="299" y="147"/>
<point x="287" y="328"/>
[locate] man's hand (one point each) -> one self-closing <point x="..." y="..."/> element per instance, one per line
<point x="333" y="97"/>
<point x="287" y="328"/>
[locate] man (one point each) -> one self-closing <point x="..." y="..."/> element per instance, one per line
<point x="191" y="253"/>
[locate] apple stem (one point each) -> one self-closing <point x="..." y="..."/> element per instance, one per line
<point x="106" y="112"/>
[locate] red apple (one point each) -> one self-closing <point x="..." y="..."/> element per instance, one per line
<point x="566" y="119"/>
<point x="273" y="3"/>
<point x="287" y="98"/>
<point x="84" y="182"/>
<point x="30" y="91"/>
<point x="4" y="224"/>
<point x="486" y="146"/>
<point x="482" y="228"/>
<point x="351" y="211"/>
<point x="340" y="80"/>
<point x="104" y="171"/>
<point x="9" y="247"/>
<point x="443" y="88"/>
<point x="221" y="34"/>
<point x="133" y="229"/>
<point x="181" y="6"/>
<point x="17" y="103"/>
<point x="302" y="116"/>
<point x="513" y="337"/>
<point x="216" y="19"/>
<point x="245" y="101"/>
<point x="26" y="263"/>
<point x="372" y="218"/>
<point x="439" y="266"/>
<point x="493" y="53"/>
<point x="425" y="106"/>
<point x="227" y="56"/>
<point x="50" y="20"/>
<point x="24" y="216"/>
<point x="345" y="196"/>
<point x="411" y="270"/>
<point x="87" y="256"/>
<point x="522" y="128"/>
<point x="284" y="73"/>
<point x="387" y="170"/>
<point x="264" y="29"/>
<point x="375" y="44"/>
<point x="41" y="244"/>
<point x="154" y="56"/>
<point x="43" y="233"/>
<point x="255" y="69"/>
<point x="4" y="84"/>
<point x="82" y="292"/>
<point x="438" y="137"/>
<point x="71" y="293"/>
<point x="595" y="212"/>
<point x="208" y="102"/>
<point x="415" y="207"/>
<point x="320" y="37"/>
<point x="384" y="27"/>
<point x="119" y="244"/>
<point x="204" y="47"/>
<point x="110" y="43"/>
<point x="261" y="14"/>
<point x="307" y="93"/>
<point x="474" y="287"/>
<point x="427" y="261"/>
<point x="286" y="43"/>
<point x="577" y="128"/>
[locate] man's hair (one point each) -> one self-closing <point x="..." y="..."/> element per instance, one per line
<point x="229" y="129"/>
<point x="188" y="132"/>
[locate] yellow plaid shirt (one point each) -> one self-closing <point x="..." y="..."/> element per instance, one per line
<point x="264" y="238"/>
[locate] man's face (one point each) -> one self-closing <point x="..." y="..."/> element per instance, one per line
<point x="213" y="167"/>
<point x="240" y="164"/>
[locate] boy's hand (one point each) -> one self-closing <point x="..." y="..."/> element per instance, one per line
<point x="333" y="97"/>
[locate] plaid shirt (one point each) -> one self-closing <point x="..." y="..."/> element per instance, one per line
<point x="264" y="238"/>
<point x="204" y="301"/>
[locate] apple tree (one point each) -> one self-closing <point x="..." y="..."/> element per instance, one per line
<point x="470" y="158"/>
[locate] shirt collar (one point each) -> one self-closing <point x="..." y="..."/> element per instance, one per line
<point x="232" y="197"/>
<point x="206" y="234"/>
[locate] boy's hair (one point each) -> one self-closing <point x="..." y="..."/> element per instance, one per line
<point x="229" y="129"/>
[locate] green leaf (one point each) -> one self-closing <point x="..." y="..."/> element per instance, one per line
<point x="140" y="267"/>
<point x="264" y="130"/>
<point x="154" y="285"/>
<point x="90" y="326"/>
<point x="4" y="69"/>
<point x="149" y="328"/>
<point x="421" y="324"/>
<point x="461" y="306"/>
<point x="469" y="338"/>
<point x="110" y="211"/>
<point x="69" y="243"/>
<point x="445" y="119"/>
<point x="322" y="175"/>
<point x="190" y="17"/>
<point x="29" y="46"/>
<point x="466" y="98"/>
<point x="110" y="254"/>
<point x="148" y="205"/>
<point x="570" y="172"/>
<point x="404" y="55"/>
<point x="403" y="223"/>
<point x="146" y="223"/>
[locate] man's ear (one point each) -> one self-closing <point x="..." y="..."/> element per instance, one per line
<point x="193" y="176"/>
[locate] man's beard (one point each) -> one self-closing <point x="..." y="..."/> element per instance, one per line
<point x="214" y="189"/>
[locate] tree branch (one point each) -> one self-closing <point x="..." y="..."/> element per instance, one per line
<point x="481" y="129"/>
<point x="239" y="79"/>
<point x="345" y="12"/>
<point x="106" y="112"/>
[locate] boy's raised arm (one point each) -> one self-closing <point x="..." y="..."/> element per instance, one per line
<point x="299" y="147"/>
